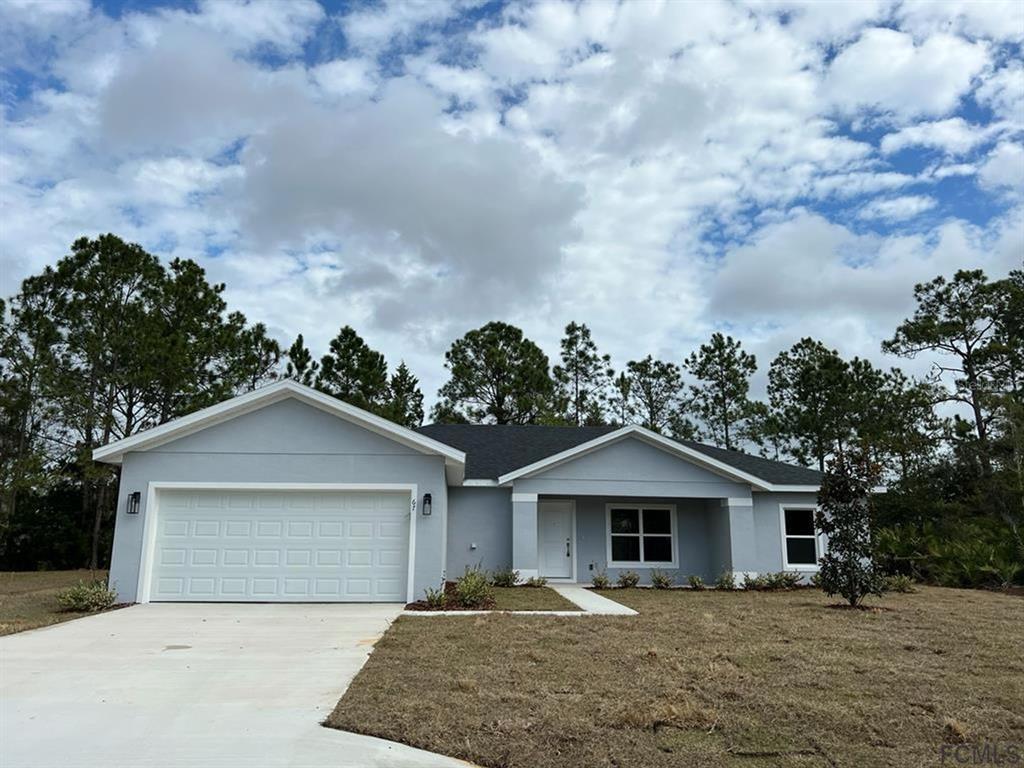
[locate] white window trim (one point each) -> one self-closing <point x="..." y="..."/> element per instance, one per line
<point x="640" y="506"/>
<point x="819" y="543"/>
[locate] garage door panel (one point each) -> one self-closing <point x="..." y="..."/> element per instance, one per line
<point x="273" y="546"/>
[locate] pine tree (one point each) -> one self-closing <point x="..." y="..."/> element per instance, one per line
<point x="723" y="372"/>
<point x="353" y="372"/>
<point x="655" y="386"/>
<point x="301" y="366"/>
<point x="495" y="375"/>
<point x="405" y="405"/>
<point x="583" y="378"/>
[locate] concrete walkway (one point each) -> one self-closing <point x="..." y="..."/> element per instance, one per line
<point x="591" y="602"/>
<point x="203" y="686"/>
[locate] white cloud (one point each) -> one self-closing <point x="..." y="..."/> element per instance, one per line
<point x="955" y="136"/>
<point x="887" y="70"/>
<point x="1001" y="20"/>
<point x="637" y="166"/>
<point x="460" y="223"/>
<point x="283" y="26"/>
<point x="897" y="208"/>
<point x="372" y="29"/>
<point x="153" y="101"/>
<point x="824" y="21"/>
<point x="1004" y="93"/>
<point x="849" y="290"/>
<point x="1004" y="168"/>
<point x="343" y="77"/>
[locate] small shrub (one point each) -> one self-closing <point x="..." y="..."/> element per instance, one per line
<point x="783" y="580"/>
<point x="86" y="597"/>
<point x="816" y="580"/>
<point x="900" y="582"/>
<point x="434" y="598"/>
<point x="662" y="579"/>
<point x="695" y="582"/>
<point x="473" y="590"/>
<point x="756" y="583"/>
<point x="536" y="581"/>
<point x="726" y="580"/>
<point x="600" y="580"/>
<point x="505" y="578"/>
<point x="628" y="579"/>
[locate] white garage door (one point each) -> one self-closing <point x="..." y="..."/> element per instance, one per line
<point x="281" y="546"/>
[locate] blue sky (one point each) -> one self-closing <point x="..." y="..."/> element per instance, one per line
<point x="657" y="170"/>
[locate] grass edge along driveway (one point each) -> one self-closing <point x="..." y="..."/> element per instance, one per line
<point x="28" y="599"/>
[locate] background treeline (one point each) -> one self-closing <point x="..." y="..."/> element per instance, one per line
<point x="110" y="342"/>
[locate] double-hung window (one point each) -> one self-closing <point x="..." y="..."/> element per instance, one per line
<point x="801" y="545"/>
<point x="641" y="535"/>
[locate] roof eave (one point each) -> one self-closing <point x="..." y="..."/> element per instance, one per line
<point x="113" y="453"/>
<point x="648" y="436"/>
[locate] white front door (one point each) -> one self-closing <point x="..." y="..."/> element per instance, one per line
<point x="554" y="539"/>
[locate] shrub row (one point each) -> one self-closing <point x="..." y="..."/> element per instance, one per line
<point x="727" y="581"/>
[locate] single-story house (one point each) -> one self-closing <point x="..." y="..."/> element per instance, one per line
<point x="288" y="494"/>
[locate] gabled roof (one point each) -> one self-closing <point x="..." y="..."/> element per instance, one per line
<point x="501" y="452"/>
<point x="113" y="453"/>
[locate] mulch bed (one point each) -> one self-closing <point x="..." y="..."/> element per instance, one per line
<point x="451" y="602"/>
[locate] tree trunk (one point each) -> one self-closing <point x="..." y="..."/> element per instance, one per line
<point x="979" y="419"/>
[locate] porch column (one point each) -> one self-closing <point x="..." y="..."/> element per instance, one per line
<point x="524" y="534"/>
<point x="742" y="540"/>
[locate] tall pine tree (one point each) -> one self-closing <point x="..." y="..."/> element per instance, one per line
<point x="720" y="397"/>
<point x="583" y="377"/>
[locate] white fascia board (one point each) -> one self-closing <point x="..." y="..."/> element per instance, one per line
<point x="260" y="398"/>
<point x="653" y="438"/>
<point x="477" y="483"/>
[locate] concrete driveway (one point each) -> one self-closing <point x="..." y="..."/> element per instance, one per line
<point x="192" y="685"/>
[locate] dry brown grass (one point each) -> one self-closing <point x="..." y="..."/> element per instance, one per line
<point x="702" y="678"/>
<point x="530" y="599"/>
<point x="28" y="599"/>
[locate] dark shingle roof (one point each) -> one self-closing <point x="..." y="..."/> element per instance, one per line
<point x="493" y="450"/>
<point x="774" y="472"/>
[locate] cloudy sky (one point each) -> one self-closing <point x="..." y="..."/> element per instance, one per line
<point x="657" y="170"/>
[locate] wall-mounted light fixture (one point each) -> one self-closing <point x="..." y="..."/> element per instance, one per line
<point x="426" y="504"/>
<point x="133" y="502"/>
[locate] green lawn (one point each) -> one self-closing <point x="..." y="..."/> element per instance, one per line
<point x="703" y="679"/>
<point x="28" y="598"/>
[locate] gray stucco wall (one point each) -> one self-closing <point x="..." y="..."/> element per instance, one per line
<point x="286" y="442"/>
<point x="480" y="518"/>
<point x="693" y="536"/>
<point x="632" y="467"/>
<point x="768" y="530"/>
<point x="719" y="538"/>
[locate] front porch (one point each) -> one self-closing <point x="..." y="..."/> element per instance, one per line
<point x="569" y="538"/>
